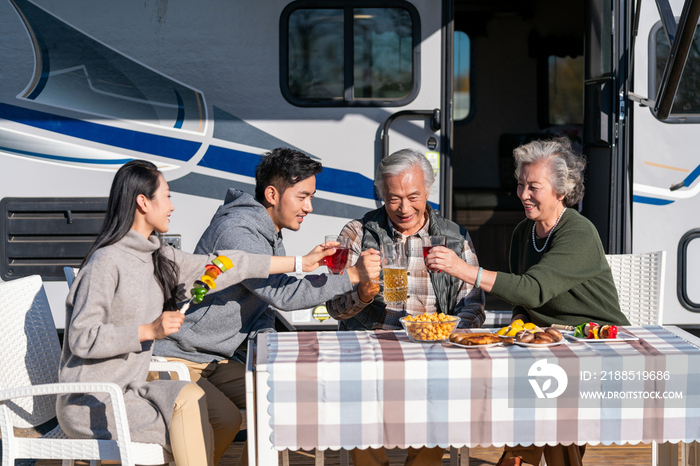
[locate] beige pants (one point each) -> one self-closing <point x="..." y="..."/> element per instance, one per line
<point x="558" y="455"/>
<point x="416" y="457"/>
<point x="224" y="384"/>
<point x="191" y="435"/>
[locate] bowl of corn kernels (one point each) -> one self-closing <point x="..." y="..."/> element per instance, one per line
<point x="429" y="327"/>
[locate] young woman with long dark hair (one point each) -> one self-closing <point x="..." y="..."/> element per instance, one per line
<point x="125" y="297"/>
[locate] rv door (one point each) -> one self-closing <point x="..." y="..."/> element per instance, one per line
<point x="607" y="202"/>
<point x="424" y="123"/>
<point x="665" y="163"/>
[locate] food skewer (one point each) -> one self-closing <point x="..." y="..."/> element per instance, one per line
<point x="186" y="306"/>
<point x="562" y="327"/>
<point x="207" y="281"/>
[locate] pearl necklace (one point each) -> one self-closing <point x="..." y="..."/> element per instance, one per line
<point x="534" y="244"/>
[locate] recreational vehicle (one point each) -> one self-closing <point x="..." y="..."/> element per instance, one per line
<point x="203" y="89"/>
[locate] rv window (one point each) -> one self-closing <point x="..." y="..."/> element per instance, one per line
<point x="316" y="54"/>
<point x="462" y="76"/>
<point x="565" y="90"/>
<point x="346" y="56"/>
<point x="687" y="100"/>
<point x="383" y="43"/>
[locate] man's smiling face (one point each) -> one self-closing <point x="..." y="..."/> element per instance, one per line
<point x="293" y="205"/>
<point x="405" y="198"/>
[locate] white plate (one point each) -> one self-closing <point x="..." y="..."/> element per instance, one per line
<point x="622" y="336"/>
<point x="539" y="345"/>
<point x="490" y="345"/>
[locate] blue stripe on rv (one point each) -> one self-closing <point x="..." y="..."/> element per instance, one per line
<point x="651" y="200"/>
<point x="228" y="160"/>
<point x="330" y="179"/>
<point x="692" y="177"/>
<point x="162" y="146"/>
<point x="67" y="159"/>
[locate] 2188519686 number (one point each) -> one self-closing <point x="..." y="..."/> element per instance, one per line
<point x="626" y="375"/>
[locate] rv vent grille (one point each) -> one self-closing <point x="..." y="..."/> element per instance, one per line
<point x="43" y="235"/>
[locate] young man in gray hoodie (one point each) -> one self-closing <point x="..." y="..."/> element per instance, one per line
<point x="285" y="183"/>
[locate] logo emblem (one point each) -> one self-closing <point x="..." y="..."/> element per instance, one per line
<point x="321" y="313"/>
<point x="551" y="371"/>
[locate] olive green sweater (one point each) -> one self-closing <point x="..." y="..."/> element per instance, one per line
<point x="568" y="283"/>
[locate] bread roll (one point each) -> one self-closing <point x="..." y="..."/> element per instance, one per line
<point x="541" y="341"/>
<point x="554" y="333"/>
<point x="524" y="337"/>
<point x="544" y="336"/>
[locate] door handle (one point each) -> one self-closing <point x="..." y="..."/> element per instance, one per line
<point x="435" y="123"/>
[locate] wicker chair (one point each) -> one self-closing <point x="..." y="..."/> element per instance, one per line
<point x="29" y="384"/>
<point x="639" y="279"/>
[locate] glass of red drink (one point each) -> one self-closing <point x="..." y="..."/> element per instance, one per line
<point x="429" y="242"/>
<point x="337" y="262"/>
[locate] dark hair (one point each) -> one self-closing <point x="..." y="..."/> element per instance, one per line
<point x="282" y="168"/>
<point x="132" y="179"/>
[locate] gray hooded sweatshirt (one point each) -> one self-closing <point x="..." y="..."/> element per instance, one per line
<point x="214" y="329"/>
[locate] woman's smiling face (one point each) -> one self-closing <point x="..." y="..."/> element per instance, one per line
<point x="542" y="204"/>
<point x="160" y="208"/>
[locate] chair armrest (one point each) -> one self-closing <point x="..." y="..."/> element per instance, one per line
<point x="111" y="389"/>
<point x="163" y="365"/>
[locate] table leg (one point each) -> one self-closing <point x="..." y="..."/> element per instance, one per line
<point x="319" y="459"/>
<point x="464" y="456"/>
<point x="250" y="405"/>
<point x="459" y="456"/>
<point x="267" y="455"/>
<point x="691" y="453"/>
<point x="344" y="457"/>
<point x="667" y="454"/>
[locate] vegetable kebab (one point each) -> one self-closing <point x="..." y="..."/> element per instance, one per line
<point x="594" y="331"/>
<point x="206" y="282"/>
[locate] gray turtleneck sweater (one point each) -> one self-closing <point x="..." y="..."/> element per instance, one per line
<point x="112" y="295"/>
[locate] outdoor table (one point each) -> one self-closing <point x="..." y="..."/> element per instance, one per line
<point x="332" y="390"/>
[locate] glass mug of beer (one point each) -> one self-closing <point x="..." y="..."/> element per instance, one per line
<point x="337" y="262"/>
<point x="394" y="270"/>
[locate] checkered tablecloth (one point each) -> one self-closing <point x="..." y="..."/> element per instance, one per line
<point x="329" y="390"/>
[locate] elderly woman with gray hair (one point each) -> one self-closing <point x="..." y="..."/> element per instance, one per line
<point x="559" y="274"/>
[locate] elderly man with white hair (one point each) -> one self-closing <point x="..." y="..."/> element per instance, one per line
<point x="403" y="180"/>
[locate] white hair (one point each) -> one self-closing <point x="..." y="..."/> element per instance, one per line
<point x="400" y="162"/>
<point x="565" y="166"/>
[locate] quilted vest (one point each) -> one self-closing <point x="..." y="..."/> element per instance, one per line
<point x="376" y="231"/>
